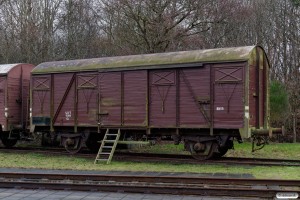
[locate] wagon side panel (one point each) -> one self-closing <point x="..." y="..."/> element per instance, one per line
<point x="14" y="101"/>
<point x="41" y="89"/>
<point x="162" y="86"/>
<point x="87" y="98"/>
<point x="63" y="99"/>
<point x="135" y="97"/>
<point x="194" y="97"/>
<point x="110" y="98"/>
<point x="229" y="95"/>
<point x="14" y="96"/>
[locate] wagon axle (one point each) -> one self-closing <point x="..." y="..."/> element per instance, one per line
<point x="72" y="144"/>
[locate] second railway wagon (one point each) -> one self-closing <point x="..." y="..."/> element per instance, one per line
<point x="204" y="98"/>
<point x="14" y="101"/>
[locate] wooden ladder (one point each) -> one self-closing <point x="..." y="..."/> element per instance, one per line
<point x="108" y="147"/>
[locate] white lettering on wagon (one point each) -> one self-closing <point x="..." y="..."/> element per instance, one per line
<point x="247" y="115"/>
<point x="68" y="115"/>
<point x="220" y="108"/>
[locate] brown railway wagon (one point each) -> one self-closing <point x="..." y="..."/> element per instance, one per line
<point x="14" y="100"/>
<point x="203" y="97"/>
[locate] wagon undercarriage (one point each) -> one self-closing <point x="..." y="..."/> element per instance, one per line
<point x="198" y="142"/>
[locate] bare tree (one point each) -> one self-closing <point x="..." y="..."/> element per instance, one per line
<point x="231" y="22"/>
<point x="29" y="30"/>
<point x="78" y="30"/>
<point x="40" y="30"/>
<point x="153" y="25"/>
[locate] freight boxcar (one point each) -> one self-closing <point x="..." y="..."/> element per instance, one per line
<point x="204" y="98"/>
<point x="14" y="101"/>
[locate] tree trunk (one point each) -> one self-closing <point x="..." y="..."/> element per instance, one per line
<point x="294" y="128"/>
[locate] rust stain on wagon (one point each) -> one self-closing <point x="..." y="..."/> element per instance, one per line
<point x="109" y="102"/>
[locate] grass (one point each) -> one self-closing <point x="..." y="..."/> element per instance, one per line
<point x="287" y="151"/>
<point x="272" y="150"/>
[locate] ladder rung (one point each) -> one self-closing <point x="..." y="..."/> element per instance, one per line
<point x="109" y="141"/>
<point x="104" y="153"/>
<point x="102" y="159"/>
<point x="108" y="147"/>
<point x="111" y="134"/>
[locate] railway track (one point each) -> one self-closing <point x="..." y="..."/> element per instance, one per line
<point x="181" y="185"/>
<point x="170" y="158"/>
<point x="190" y="160"/>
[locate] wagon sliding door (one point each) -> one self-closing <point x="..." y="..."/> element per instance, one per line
<point x="109" y="106"/>
<point x="195" y="97"/>
<point x="228" y="96"/>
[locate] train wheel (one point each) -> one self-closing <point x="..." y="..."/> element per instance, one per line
<point x="73" y="145"/>
<point x="9" y="142"/>
<point x="222" y="152"/>
<point x="202" y="151"/>
<point x="6" y="141"/>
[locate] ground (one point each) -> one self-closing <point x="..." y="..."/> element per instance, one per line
<point x="283" y="151"/>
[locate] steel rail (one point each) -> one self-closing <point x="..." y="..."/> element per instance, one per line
<point x="151" y="184"/>
<point x="181" y="158"/>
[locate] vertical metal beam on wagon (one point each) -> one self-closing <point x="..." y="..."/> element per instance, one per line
<point x="51" y="103"/>
<point x="212" y="92"/>
<point x="75" y="105"/>
<point x="122" y="98"/>
<point x="148" y="96"/>
<point x="257" y="106"/>
<point x="177" y="99"/>
<point x="21" y="98"/>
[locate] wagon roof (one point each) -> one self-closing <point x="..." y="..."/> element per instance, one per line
<point x="4" y="69"/>
<point x="147" y="60"/>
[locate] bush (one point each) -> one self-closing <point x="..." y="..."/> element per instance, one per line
<point x="278" y="103"/>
